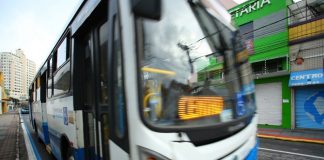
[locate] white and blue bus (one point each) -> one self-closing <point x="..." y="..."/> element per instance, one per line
<point x="146" y="79"/>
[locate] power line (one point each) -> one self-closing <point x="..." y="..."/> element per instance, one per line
<point x="275" y="22"/>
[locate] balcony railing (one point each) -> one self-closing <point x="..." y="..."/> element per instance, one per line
<point x="307" y="31"/>
<point x="304" y="11"/>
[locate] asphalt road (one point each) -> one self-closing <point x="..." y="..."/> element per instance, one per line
<point x="270" y="149"/>
<point x="38" y="143"/>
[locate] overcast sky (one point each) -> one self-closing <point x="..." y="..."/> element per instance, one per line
<point x="35" y="25"/>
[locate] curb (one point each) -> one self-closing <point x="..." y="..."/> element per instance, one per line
<point x="289" y="138"/>
<point x="30" y="146"/>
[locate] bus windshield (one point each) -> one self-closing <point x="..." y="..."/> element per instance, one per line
<point x="194" y="69"/>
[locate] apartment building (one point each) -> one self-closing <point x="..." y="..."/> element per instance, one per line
<point x="18" y="73"/>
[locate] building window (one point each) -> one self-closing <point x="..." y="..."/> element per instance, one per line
<point x="269" y="66"/>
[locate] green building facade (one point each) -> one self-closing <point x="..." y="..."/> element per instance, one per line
<point x="263" y="27"/>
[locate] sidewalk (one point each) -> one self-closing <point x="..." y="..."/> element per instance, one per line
<point x="12" y="143"/>
<point x="298" y="135"/>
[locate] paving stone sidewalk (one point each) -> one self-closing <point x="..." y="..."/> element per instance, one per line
<point x="12" y="143"/>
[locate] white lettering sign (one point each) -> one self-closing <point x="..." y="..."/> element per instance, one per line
<point x="252" y="7"/>
<point x="307" y="76"/>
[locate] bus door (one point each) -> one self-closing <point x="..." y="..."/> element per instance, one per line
<point x="43" y="88"/>
<point x="88" y="95"/>
<point x="104" y="97"/>
<point x="91" y="86"/>
<point x="118" y="126"/>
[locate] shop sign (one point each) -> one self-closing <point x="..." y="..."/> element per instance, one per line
<point x="309" y="77"/>
<point x="252" y="7"/>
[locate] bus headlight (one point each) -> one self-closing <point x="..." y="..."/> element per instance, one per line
<point x="147" y="154"/>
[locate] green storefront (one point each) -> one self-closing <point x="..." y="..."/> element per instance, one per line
<point x="264" y="28"/>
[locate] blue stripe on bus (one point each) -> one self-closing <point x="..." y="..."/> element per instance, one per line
<point x="254" y="152"/>
<point x="79" y="153"/>
<point x="45" y="134"/>
<point x="32" y="142"/>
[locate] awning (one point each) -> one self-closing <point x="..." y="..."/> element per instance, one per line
<point x="212" y="67"/>
<point x="308" y="77"/>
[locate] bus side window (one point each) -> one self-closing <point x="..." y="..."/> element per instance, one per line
<point x="62" y="76"/>
<point x="38" y="89"/>
<point x="33" y="92"/>
<point x="62" y="53"/>
<point x="31" y="96"/>
<point x="50" y="77"/>
<point x="43" y="88"/>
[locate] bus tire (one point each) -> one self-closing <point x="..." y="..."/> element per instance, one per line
<point x="66" y="150"/>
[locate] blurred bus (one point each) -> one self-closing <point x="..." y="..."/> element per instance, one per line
<point x="146" y="79"/>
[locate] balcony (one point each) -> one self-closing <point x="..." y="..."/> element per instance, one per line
<point x="304" y="11"/>
<point x="307" y="31"/>
<point x="306" y="21"/>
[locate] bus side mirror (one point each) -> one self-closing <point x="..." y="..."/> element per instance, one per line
<point x="147" y="8"/>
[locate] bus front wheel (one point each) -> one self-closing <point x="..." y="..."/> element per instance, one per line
<point x="66" y="150"/>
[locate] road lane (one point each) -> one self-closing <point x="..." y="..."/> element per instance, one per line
<point x="282" y="150"/>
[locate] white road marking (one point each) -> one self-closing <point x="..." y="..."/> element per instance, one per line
<point x="304" y="155"/>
